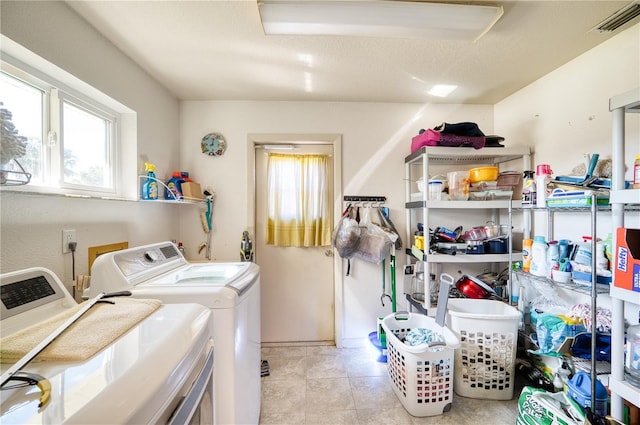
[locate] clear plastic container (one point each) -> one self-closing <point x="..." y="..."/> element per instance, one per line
<point x="632" y="360"/>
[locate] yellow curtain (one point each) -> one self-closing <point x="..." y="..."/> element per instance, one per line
<point x="298" y="200"/>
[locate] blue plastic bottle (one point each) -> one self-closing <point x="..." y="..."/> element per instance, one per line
<point x="150" y="186"/>
<point x="173" y="191"/>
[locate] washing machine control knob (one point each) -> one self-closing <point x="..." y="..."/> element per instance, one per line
<point x="151" y="256"/>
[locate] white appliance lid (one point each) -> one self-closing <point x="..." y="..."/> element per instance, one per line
<point x="131" y="381"/>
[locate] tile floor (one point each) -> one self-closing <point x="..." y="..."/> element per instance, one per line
<point x="327" y="385"/>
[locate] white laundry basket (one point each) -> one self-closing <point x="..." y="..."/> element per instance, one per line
<point x="421" y="375"/>
<point x="488" y="334"/>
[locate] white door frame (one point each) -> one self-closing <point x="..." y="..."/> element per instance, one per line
<point x="334" y="140"/>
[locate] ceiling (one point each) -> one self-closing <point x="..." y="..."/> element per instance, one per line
<point x="216" y="50"/>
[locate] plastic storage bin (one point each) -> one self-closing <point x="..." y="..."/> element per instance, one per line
<point x="488" y="334"/>
<point x="421" y="375"/>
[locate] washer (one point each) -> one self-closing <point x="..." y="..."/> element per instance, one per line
<point x="157" y="371"/>
<point x="232" y="293"/>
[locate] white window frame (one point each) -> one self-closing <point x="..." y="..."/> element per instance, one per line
<point x="60" y="86"/>
<point x="112" y="118"/>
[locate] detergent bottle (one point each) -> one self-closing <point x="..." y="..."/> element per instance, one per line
<point x="150" y="186"/>
<point x="539" y="257"/>
<point x="173" y="191"/>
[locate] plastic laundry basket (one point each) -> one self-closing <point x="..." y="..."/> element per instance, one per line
<point x="488" y="334"/>
<point x="421" y="375"/>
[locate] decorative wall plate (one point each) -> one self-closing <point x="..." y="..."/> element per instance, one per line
<point x="213" y="144"/>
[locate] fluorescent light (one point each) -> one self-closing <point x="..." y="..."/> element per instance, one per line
<point x="378" y="18"/>
<point x="277" y="147"/>
<point x="441" y="90"/>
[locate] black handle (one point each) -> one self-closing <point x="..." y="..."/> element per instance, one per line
<point x="117" y="294"/>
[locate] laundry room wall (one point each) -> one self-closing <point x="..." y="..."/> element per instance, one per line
<point x="376" y="138"/>
<point x="565" y="114"/>
<point x="31" y="225"/>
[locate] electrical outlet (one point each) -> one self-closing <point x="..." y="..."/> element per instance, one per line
<point x="68" y="236"/>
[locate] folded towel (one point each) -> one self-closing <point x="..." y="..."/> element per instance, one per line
<point x="419" y="336"/>
<point x="93" y="331"/>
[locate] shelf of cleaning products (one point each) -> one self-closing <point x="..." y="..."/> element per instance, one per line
<point x="174" y="201"/>
<point x="497" y="204"/>
<point x="524" y="277"/>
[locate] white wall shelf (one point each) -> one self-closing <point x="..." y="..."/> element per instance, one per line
<point x="626" y="196"/>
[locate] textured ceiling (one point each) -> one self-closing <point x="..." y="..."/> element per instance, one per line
<point x="216" y="50"/>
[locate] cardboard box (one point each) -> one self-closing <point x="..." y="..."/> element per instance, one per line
<point x="191" y="190"/>
<point x="627" y="259"/>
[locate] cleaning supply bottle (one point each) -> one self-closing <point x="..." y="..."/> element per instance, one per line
<point x="539" y="256"/>
<point x="173" y="191"/>
<point x="543" y="177"/>
<point x="527" y="244"/>
<point x="553" y="257"/>
<point x="150" y="186"/>
<point x="528" y="189"/>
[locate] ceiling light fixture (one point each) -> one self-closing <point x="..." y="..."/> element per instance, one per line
<point x="441" y="90"/>
<point x="378" y="18"/>
<point x="618" y="19"/>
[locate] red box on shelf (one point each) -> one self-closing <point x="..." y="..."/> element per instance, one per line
<point x="627" y="259"/>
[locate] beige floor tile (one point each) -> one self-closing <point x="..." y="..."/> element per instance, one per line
<point x="287" y="368"/>
<point x="372" y="392"/>
<point x="284" y="351"/>
<point x="283" y="396"/>
<point x="329" y="386"/>
<point x="337" y="417"/>
<point x="395" y="415"/>
<point x="325" y="366"/>
<point x="282" y="418"/>
<point x="486" y="411"/>
<point x="328" y="394"/>
<point x="360" y="362"/>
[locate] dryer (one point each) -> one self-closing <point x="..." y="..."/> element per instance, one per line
<point x="157" y="371"/>
<point x="231" y="291"/>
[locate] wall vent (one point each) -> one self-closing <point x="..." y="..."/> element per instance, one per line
<point x="618" y="19"/>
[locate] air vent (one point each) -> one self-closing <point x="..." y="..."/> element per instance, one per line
<point x="618" y="19"/>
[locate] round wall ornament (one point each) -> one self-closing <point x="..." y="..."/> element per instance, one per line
<point x="213" y="144"/>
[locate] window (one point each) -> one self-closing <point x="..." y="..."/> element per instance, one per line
<point x="23" y="106"/>
<point x="69" y="142"/>
<point x="298" y="200"/>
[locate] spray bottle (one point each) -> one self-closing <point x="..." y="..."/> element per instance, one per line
<point x="150" y="186"/>
<point x="246" y="247"/>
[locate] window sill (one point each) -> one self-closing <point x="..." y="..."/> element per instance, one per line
<point x="12" y="190"/>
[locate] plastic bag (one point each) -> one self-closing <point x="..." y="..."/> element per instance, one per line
<point x="375" y="242"/>
<point x="539" y="407"/>
<point x="388" y="224"/>
<point x="552" y="330"/>
<point x="346" y="235"/>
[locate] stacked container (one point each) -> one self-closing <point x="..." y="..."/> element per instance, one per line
<point x="488" y="334"/>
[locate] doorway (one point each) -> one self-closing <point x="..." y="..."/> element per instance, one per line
<point x="301" y="299"/>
